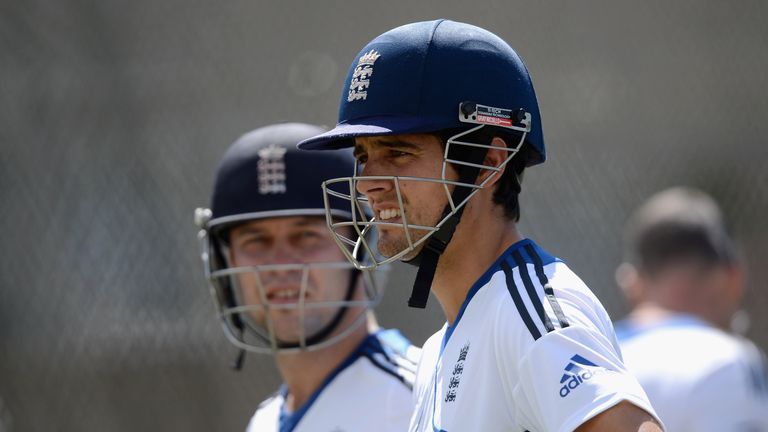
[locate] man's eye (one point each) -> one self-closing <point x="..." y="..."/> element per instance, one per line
<point x="253" y="244"/>
<point x="361" y="159"/>
<point x="309" y="239"/>
<point x="254" y="241"/>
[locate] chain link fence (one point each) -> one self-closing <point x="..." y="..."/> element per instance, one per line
<point x="113" y="116"/>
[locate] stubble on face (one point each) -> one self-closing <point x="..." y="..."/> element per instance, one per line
<point x="393" y="240"/>
<point x="418" y="156"/>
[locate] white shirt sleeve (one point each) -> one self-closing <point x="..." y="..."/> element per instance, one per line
<point x="266" y="418"/>
<point x="569" y="375"/>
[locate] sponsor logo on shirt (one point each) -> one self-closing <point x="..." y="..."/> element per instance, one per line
<point x="577" y="371"/>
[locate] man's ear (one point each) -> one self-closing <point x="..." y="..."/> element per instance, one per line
<point x="734" y="285"/>
<point x="494" y="158"/>
<point x="628" y="280"/>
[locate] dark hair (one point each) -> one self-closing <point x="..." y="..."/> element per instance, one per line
<point x="509" y="186"/>
<point x="675" y="225"/>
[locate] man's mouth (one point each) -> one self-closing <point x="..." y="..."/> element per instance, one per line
<point x="283" y="295"/>
<point x="389" y="215"/>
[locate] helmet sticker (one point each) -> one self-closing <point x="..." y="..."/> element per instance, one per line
<point x="487" y="115"/>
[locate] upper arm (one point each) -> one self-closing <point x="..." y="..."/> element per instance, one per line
<point x="624" y="417"/>
<point x="567" y="375"/>
<point x="570" y="376"/>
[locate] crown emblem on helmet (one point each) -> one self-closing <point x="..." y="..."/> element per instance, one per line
<point x="361" y="77"/>
<point x="368" y="58"/>
<point x="271" y="168"/>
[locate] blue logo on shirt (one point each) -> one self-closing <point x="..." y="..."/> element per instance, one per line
<point x="576" y="372"/>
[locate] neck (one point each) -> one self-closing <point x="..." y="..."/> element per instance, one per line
<point x="649" y="313"/>
<point x="304" y="372"/>
<point x="477" y="243"/>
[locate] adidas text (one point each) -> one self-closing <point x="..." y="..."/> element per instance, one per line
<point x="574" y="382"/>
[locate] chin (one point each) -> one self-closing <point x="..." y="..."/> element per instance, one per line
<point x="412" y="254"/>
<point x="390" y="249"/>
<point x="388" y="246"/>
<point x="391" y="244"/>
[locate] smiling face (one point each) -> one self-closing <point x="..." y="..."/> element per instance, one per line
<point x="422" y="202"/>
<point x="279" y="295"/>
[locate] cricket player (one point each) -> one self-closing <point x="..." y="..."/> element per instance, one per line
<point x="685" y="279"/>
<point x="443" y="120"/>
<point x="283" y="287"/>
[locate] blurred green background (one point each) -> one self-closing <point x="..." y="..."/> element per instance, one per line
<point x="113" y="116"/>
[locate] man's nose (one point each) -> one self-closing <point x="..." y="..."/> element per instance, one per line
<point x="372" y="186"/>
<point x="284" y="253"/>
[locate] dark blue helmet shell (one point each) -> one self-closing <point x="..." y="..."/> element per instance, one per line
<point x="413" y="78"/>
<point x="263" y="175"/>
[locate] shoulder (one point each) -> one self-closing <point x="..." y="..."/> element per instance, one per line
<point x="434" y="341"/>
<point x="398" y="346"/>
<point x="691" y="352"/>
<point x="538" y="294"/>
<point x="431" y="349"/>
<point x="550" y="341"/>
<point x="429" y="356"/>
<point x="267" y="415"/>
<point x="735" y="361"/>
<point x="372" y="387"/>
<point x="528" y="293"/>
<point x="699" y="377"/>
<point x="393" y="354"/>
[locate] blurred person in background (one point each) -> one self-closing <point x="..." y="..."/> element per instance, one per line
<point x="283" y="287"/>
<point x="684" y="281"/>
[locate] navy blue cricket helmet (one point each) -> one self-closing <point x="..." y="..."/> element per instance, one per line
<point x="264" y="175"/>
<point x="413" y="79"/>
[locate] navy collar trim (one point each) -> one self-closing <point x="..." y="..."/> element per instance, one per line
<point x="289" y="421"/>
<point x="495" y="267"/>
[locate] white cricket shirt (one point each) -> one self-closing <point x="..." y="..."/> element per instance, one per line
<point x="369" y="391"/>
<point x="697" y="377"/>
<point x="531" y="349"/>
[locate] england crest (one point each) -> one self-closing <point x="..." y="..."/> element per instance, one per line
<point x="361" y="77"/>
<point x="271" y="168"/>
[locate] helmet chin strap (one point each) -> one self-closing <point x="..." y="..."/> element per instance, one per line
<point x="429" y="256"/>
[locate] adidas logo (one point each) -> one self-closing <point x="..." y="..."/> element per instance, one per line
<point x="575" y="374"/>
